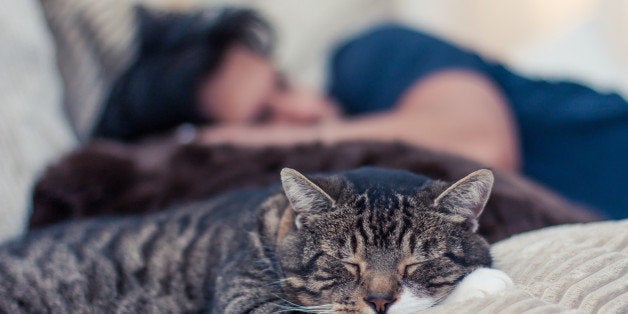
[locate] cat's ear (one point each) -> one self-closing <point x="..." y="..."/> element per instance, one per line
<point x="468" y="196"/>
<point x="304" y="196"/>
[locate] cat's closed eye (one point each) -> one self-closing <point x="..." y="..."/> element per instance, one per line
<point x="352" y="268"/>
<point x="411" y="268"/>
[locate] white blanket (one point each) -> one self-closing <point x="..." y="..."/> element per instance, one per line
<point x="563" y="269"/>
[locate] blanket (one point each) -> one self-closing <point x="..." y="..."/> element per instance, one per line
<point x="108" y="178"/>
<point x="581" y="268"/>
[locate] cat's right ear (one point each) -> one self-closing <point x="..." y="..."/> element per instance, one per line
<point x="468" y="196"/>
<point x="304" y="196"/>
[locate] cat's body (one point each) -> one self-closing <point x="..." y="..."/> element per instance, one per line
<point x="364" y="241"/>
<point x="152" y="263"/>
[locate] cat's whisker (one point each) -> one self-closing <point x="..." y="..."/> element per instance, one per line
<point x="320" y="309"/>
<point x="276" y="282"/>
<point x="286" y="301"/>
<point x="290" y="306"/>
<point x="442" y="298"/>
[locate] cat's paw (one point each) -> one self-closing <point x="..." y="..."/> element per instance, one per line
<point x="479" y="284"/>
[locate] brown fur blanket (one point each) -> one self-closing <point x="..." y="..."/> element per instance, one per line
<point x="108" y="178"/>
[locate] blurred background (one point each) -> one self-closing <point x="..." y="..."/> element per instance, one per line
<point x="58" y="52"/>
<point x="577" y="39"/>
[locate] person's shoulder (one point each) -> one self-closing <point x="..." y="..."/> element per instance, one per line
<point x="392" y="32"/>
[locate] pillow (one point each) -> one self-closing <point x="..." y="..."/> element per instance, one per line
<point x="95" y="43"/>
<point x="33" y="129"/>
<point x="560" y="269"/>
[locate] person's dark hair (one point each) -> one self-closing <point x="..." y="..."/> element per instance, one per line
<point x="177" y="50"/>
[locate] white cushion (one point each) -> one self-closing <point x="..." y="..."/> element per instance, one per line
<point x="571" y="268"/>
<point x="32" y="125"/>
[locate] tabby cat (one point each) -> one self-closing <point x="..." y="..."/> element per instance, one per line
<point x="369" y="240"/>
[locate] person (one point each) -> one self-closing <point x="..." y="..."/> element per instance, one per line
<point x="177" y="51"/>
<point x="393" y="83"/>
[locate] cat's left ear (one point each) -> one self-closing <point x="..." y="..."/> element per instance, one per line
<point x="468" y="196"/>
<point x="304" y="195"/>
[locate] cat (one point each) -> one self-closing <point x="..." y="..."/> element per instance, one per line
<point x="369" y="240"/>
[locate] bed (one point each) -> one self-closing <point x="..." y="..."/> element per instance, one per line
<point x="55" y="73"/>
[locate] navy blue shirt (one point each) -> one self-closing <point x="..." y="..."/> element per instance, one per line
<point x="573" y="139"/>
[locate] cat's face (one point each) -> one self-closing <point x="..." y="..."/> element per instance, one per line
<point x="378" y="241"/>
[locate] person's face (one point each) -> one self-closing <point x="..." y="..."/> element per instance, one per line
<point x="246" y="89"/>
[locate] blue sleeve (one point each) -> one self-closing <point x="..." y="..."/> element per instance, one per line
<point x="373" y="70"/>
<point x="573" y="139"/>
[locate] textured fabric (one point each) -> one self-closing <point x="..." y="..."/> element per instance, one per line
<point x="564" y="269"/>
<point x="109" y="178"/>
<point x="32" y="127"/>
<point x="94" y="41"/>
<point x="564" y="127"/>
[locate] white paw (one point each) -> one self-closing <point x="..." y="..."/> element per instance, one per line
<point x="479" y="284"/>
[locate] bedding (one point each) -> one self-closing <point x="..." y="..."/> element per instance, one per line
<point x="107" y="178"/>
<point x="31" y="91"/>
<point x="95" y="43"/>
<point x="581" y="268"/>
<point x="561" y="269"/>
<point x="33" y="128"/>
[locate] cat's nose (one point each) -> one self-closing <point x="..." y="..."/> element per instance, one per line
<point x="379" y="303"/>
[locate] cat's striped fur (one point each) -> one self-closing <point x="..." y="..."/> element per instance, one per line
<point x="352" y="242"/>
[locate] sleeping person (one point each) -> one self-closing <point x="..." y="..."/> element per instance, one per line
<point x="391" y="83"/>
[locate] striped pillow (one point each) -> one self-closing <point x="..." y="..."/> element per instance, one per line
<point x="95" y="43"/>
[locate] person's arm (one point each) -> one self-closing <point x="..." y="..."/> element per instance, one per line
<point x="453" y="111"/>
